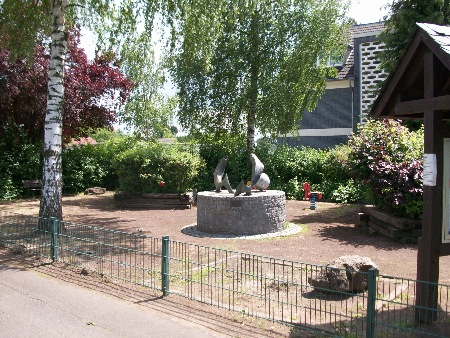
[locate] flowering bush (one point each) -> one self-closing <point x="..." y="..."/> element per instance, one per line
<point x="388" y="158"/>
<point x="397" y="187"/>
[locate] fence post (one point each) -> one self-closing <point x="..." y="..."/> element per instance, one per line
<point x="165" y="266"/>
<point x="371" y="300"/>
<point x="54" y="238"/>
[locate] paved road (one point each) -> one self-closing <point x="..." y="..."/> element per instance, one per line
<point x="33" y="305"/>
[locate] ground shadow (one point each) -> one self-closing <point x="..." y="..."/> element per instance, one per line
<point x="221" y="321"/>
<point x="97" y="202"/>
<point x="328" y="295"/>
<point x="340" y="223"/>
<point x="360" y="236"/>
<point x="393" y="321"/>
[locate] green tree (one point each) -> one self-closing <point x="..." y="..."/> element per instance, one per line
<point x="24" y="23"/>
<point x="246" y="65"/>
<point x="238" y="64"/>
<point x="148" y="112"/>
<point x="401" y="23"/>
<point x="174" y="130"/>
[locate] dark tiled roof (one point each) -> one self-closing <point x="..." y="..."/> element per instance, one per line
<point x="368" y="29"/>
<point x="347" y="71"/>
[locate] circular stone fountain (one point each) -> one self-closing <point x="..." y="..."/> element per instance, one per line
<point x="260" y="213"/>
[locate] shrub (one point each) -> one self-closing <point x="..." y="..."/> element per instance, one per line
<point x="8" y="189"/>
<point x="89" y="165"/>
<point x="349" y="192"/>
<point x="292" y="188"/>
<point x="153" y="167"/>
<point x="397" y="187"/>
<point x="21" y="160"/>
<point x="288" y="168"/>
<point x="385" y="140"/>
<point x="82" y="168"/>
<point x="388" y="158"/>
<point x="284" y="164"/>
<point x="335" y="175"/>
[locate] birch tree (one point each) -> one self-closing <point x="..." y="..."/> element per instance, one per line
<point x="23" y="23"/>
<point x="148" y="112"/>
<point x="242" y="65"/>
<point x="51" y="199"/>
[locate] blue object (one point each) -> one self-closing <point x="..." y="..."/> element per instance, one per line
<point x="313" y="201"/>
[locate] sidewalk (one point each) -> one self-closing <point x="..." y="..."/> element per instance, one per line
<point x="35" y="305"/>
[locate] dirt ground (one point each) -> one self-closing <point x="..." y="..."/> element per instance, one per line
<point x="328" y="232"/>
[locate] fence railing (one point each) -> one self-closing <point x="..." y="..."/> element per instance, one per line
<point x="254" y="285"/>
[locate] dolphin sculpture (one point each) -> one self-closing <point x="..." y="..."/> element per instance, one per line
<point x="259" y="179"/>
<point x="219" y="179"/>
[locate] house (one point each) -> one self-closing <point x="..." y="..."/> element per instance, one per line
<point x="348" y="97"/>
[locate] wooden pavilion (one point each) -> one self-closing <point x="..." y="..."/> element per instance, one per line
<point x="419" y="89"/>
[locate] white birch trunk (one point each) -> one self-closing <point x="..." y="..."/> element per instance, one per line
<point x="51" y="197"/>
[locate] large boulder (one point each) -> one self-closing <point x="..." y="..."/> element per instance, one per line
<point x="346" y="274"/>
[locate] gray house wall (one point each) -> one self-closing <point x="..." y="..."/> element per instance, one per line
<point x="347" y="98"/>
<point x="332" y="114"/>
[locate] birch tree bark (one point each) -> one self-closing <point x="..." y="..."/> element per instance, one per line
<point x="51" y="199"/>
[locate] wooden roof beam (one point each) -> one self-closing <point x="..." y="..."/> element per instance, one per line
<point x="395" y="78"/>
<point x="423" y="105"/>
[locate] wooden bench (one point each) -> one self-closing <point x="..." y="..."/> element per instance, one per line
<point x="32" y="185"/>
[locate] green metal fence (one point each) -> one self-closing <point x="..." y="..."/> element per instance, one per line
<point x="254" y="285"/>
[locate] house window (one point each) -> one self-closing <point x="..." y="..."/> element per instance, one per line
<point x="333" y="60"/>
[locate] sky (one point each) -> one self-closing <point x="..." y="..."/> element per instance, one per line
<point x="368" y="11"/>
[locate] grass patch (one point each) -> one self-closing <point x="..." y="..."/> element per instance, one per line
<point x="305" y="228"/>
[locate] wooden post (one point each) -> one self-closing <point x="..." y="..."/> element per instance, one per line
<point x="429" y="243"/>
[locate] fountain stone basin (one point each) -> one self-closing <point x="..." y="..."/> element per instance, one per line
<point x="260" y="213"/>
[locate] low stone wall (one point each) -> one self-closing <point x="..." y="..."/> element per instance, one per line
<point x="223" y="213"/>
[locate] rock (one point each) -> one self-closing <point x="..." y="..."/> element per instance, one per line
<point x="18" y="249"/>
<point x="94" y="191"/>
<point x="346" y="274"/>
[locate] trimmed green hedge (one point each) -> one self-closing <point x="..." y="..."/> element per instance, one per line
<point x="92" y="165"/>
<point x="156" y="168"/>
